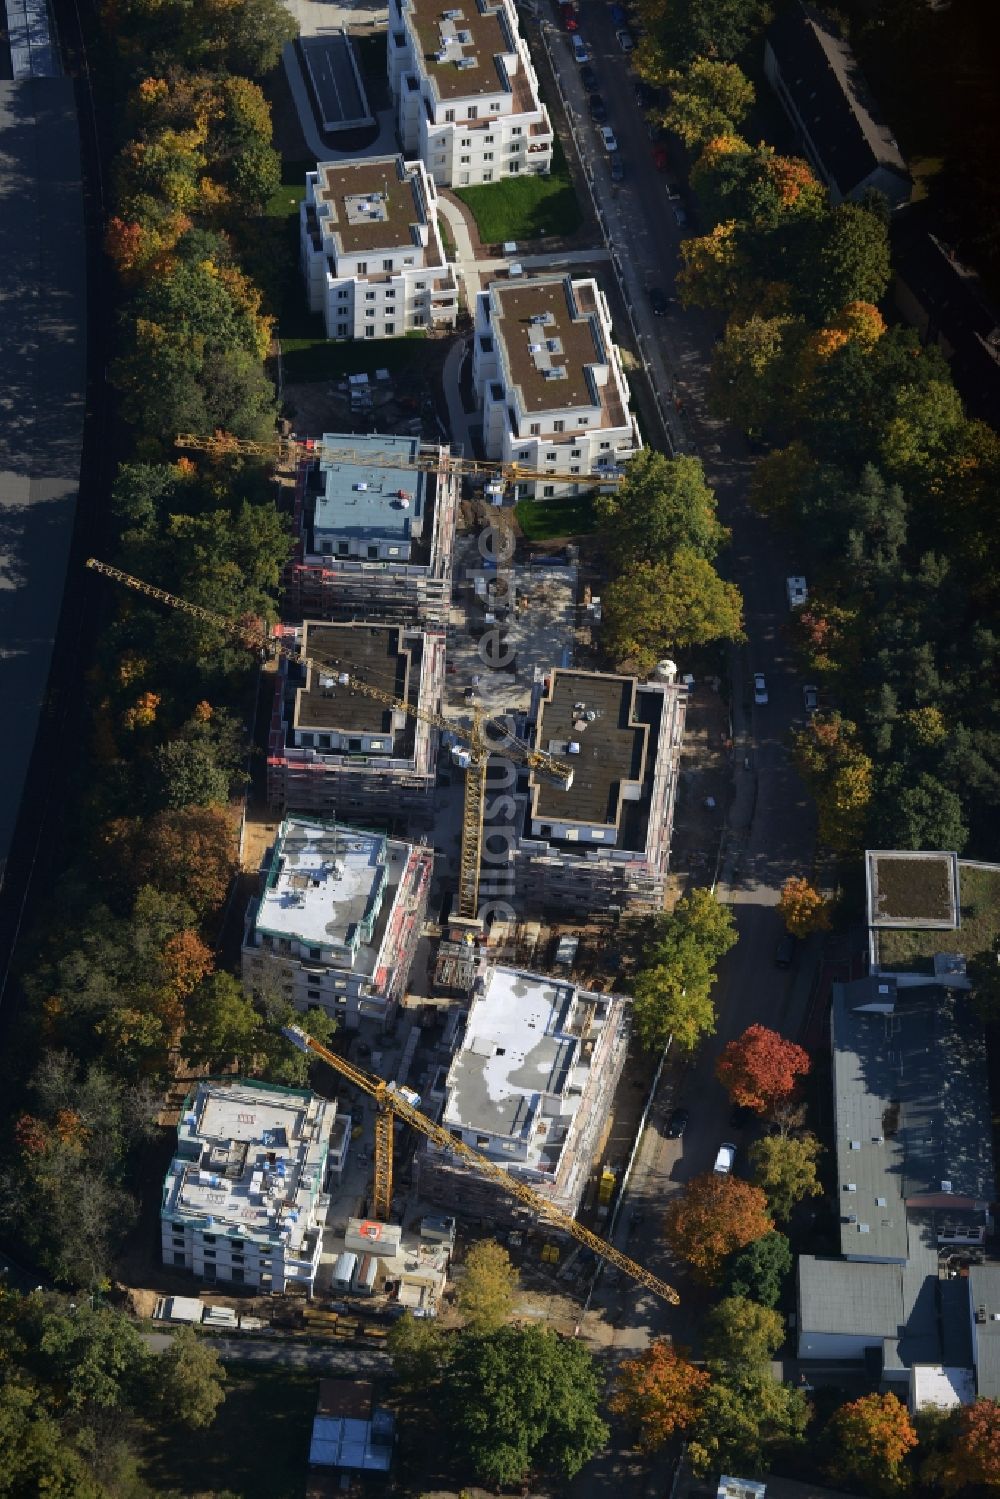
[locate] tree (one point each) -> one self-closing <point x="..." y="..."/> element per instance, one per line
<point x="658" y="1394"/>
<point x="744" y="1418"/>
<point x="486" y="1294"/>
<point x="713" y="1217"/>
<point x="785" y="1166"/>
<point x="703" y="28"/>
<point x="924" y="814"/>
<point x="973" y="1457"/>
<point x="190" y="1380"/>
<point x="185" y="851"/>
<point x="417" y="1350"/>
<point x="223" y="1025"/>
<point x="802" y="908"/>
<point x="38" y="1459"/>
<point x="97" y="1357"/>
<point x="760" y="1269"/>
<point x="523" y="1399"/>
<point x="185" y="775"/>
<point x="663" y="504"/>
<point x="740" y="1331"/>
<point x="708" y="100"/>
<point x="845" y="259"/>
<point x="715" y="272"/>
<point x="753" y="372"/>
<point x="760" y="1068"/>
<point x="673" y="987"/>
<point x="656" y="608"/>
<point x="869" y="1440"/>
<point x="839" y="774"/>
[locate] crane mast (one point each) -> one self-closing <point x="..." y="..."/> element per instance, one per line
<point x="393" y="1104"/>
<point x="254" y="635"/>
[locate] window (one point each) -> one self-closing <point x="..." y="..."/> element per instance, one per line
<point x="315" y="952"/>
<point x="535" y="429"/>
<point x="465" y="161"/>
<point x="495" y="108"/>
<point x="551" y="457"/>
<point x="516" y="130"/>
<point x="418" y="320"/>
<point x="582" y="421"/>
<point x="465" y="142"/>
<point x="237" y="1274"/>
<point x="574" y="452"/>
<point x="487" y="176"/>
<point x="362" y="268"/>
<point x="209" y="1271"/>
<point x="473" y="111"/>
<point x="390" y="329"/>
<point x="342" y="293"/>
<point x="575" y="469"/>
<point x="408" y="260"/>
<point x="605" y="445"/>
<point x="369" y="312"/>
<point x="370" y="331"/>
<point x="178" y="1259"/>
<point x="210" y="1254"/>
<point x="387" y="265"/>
<point x="449" y="116"/>
<point x="369" y="296"/>
<point x="548" y="490"/>
<point x="312" y="994"/>
<point x="354" y="745"/>
<point x="482" y="1142"/>
<point x="488" y="140"/>
<point x="487" y="155"/>
<point x="560" y="425"/>
<point x="391" y="292"/>
<point x="420" y="286"/>
<point x="341" y="330"/>
<point x="463" y="179"/>
<point x="513" y="166"/>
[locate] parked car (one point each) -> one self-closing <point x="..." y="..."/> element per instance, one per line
<point x="626" y="41"/>
<point x="567" y="15"/>
<point x="678" y="1123"/>
<point x="810" y="697"/>
<point x="658" y="301"/>
<point x="740" y="1116"/>
<point x="598" y="108"/>
<point x="617" y="167"/>
<point x="784" y="951"/>
<point x="580" y="52"/>
<point x="619" y="16"/>
<point x="645" y="95"/>
<point x="673" y="195"/>
<point x="680" y="214"/>
<point x="798" y="593"/>
<point x="725" y="1159"/>
<point x="589" y="79"/>
<point x="661" y="158"/>
<point x="608" y="138"/>
<point x="759" y="688"/>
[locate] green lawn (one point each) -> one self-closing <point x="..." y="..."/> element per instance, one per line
<point x="525" y="206"/>
<point x="285" y="199"/>
<point x="568" y="515"/>
<point x="258" y="1446"/>
<point x="979" y="901"/>
<point x="316" y="357"/>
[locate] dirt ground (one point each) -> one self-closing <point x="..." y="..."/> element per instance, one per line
<point x="706" y="774"/>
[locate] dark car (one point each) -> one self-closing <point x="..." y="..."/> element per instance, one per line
<point x="677" y="1123"/>
<point x="618" y="16"/>
<point x="588" y="78"/>
<point x="645" y="95"/>
<point x="617" y="167"/>
<point x="658" y="301"/>
<point x="740" y="1116"/>
<point x="598" y="108"/>
<point x="567" y="16"/>
<point x="661" y="158"/>
<point x="784" y="951"/>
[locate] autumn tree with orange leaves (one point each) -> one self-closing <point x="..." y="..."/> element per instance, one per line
<point x="713" y="1217"/>
<point x="187" y="851"/>
<point x="870" y="1439"/>
<point x="802" y="908"/>
<point x="760" y="1069"/>
<point x="658" y="1393"/>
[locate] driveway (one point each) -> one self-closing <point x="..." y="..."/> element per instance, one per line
<point x="325" y="1358"/>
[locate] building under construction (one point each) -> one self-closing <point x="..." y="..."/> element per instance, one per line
<point x="604" y="844"/>
<point x="337" y="920"/>
<point x="340" y="754"/>
<point x="374" y="541"/>
<point x="531" y="1086"/>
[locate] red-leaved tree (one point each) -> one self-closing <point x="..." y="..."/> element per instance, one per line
<point x="760" y="1069"/>
<point x="658" y="1393"/>
<point x="713" y="1217"/>
<point x="974" y="1454"/>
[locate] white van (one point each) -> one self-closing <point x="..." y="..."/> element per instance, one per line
<point x="724" y="1160"/>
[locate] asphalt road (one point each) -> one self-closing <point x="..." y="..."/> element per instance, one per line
<point x="326" y="1358"/>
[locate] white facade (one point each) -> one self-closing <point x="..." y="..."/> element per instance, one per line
<point x="338" y="919"/>
<point x="530" y="1086"/>
<point x="372" y="256"/>
<point x="549" y="380"/>
<point x="244" y="1199"/>
<point x="466" y="92"/>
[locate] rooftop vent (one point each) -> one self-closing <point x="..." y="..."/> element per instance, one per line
<point x="466" y="62"/>
<point x="453" y="15"/>
<point x="851" y="1187"/>
<point x="864" y="1228"/>
<point x="880" y="1202"/>
<point x="980" y="1314"/>
<point x="465" y="37"/>
<point x="855" y="1144"/>
<point x="555" y="372"/>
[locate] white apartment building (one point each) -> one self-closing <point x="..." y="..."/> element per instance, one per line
<point x="605" y="843"/>
<point x="466" y="91"/>
<point x="338" y="919"/>
<point x="334" y="750"/>
<point x="530" y="1086"/>
<point x="244" y="1200"/>
<point x="372" y="257"/>
<point x="375" y="540"/>
<point x="549" y="379"/>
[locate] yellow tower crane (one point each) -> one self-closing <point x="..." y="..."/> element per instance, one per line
<point x="255" y="636"/>
<point x="393" y="1104"/>
<point x="437" y="461"/>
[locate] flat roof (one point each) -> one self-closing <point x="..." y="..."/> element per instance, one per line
<point x="540" y="329"/>
<point x="250" y="1158"/>
<point x="912" y="1110"/>
<point x="984" y="1294"/>
<point x="325" y="883"/>
<point x="524" y="1042"/>
<point x="362" y="500"/>
<point x="886" y="1303"/>
<point x="613" y="746"/>
<point x="336" y="81"/>
<point x="912" y="888"/>
<point x="373" y="202"/>
<point x="462" y="46"/>
<point x="941" y="1387"/>
<point x="376" y="654"/>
